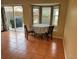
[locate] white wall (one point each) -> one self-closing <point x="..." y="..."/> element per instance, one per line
<point x="71" y="30"/>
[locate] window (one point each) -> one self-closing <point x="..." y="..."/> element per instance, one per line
<point x="55" y="16"/>
<point x="45" y="15"/>
<point x="35" y="15"/>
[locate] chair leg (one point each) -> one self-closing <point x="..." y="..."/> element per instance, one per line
<point x="51" y="36"/>
<point x="26" y="36"/>
<point x="34" y="34"/>
<point x="47" y="37"/>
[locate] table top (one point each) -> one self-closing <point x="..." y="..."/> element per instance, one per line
<point x="40" y="25"/>
<point x="40" y="28"/>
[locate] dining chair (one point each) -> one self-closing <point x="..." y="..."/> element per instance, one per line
<point x="27" y="31"/>
<point x="49" y="33"/>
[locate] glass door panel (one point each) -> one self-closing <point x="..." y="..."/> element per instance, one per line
<point x="18" y="17"/>
<point x="1" y="24"/>
<point x="9" y="17"/>
<point x="46" y="13"/>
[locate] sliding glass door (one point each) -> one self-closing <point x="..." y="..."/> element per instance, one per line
<point x="14" y="16"/>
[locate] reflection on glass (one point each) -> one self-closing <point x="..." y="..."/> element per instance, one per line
<point x="35" y="15"/>
<point x="46" y="12"/>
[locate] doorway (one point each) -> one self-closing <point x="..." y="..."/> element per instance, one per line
<point x="14" y="17"/>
